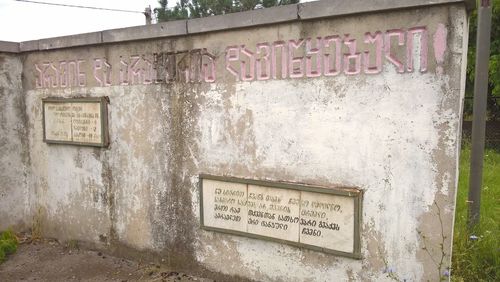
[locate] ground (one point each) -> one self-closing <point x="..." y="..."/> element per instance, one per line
<point x="49" y="260"/>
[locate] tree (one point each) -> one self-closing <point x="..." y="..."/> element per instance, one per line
<point x="494" y="64"/>
<point x="179" y="12"/>
<point x="189" y="9"/>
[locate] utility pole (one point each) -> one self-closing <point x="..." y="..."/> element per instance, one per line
<point x="148" y="14"/>
<point x="479" y="110"/>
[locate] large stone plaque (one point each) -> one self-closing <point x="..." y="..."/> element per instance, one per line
<point x="319" y="218"/>
<point x="78" y="121"/>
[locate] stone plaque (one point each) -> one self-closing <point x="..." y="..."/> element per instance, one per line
<point x="225" y="205"/>
<point x="327" y="221"/>
<point x="78" y="121"/>
<point x="273" y="212"/>
<point x="323" y="219"/>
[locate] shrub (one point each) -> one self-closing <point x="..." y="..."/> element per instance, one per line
<point x="8" y="244"/>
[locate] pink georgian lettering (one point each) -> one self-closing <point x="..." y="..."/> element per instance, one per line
<point x="170" y="67"/>
<point x="39" y="77"/>
<point x="232" y="55"/>
<point x="107" y="73"/>
<point x="284" y="64"/>
<point x="195" y="64"/>
<point x="102" y="72"/>
<point x="134" y="71"/>
<point x="263" y="73"/>
<point x="310" y="52"/>
<point x="81" y="75"/>
<point x="378" y="40"/>
<point x="46" y="81"/>
<point x="295" y="64"/>
<point x="183" y="67"/>
<point x="55" y="76"/>
<point x="208" y="67"/>
<point x="352" y="55"/>
<point x="250" y="75"/>
<point x="97" y="66"/>
<point x="336" y="64"/>
<point x="123" y="72"/>
<point x="63" y="74"/>
<point x="50" y="79"/>
<point x="439" y="44"/>
<point x="388" y="53"/>
<point x="149" y="72"/>
<point x="72" y="74"/>
<point x="422" y="30"/>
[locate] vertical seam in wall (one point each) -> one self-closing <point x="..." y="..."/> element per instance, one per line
<point x="187" y="31"/>
<point x="29" y="188"/>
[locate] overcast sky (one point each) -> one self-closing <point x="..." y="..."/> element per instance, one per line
<point x="20" y="21"/>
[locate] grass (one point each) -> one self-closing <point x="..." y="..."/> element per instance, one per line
<point x="8" y="244"/>
<point x="476" y="253"/>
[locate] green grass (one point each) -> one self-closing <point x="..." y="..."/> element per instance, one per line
<point x="8" y="244"/>
<point x="478" y="259"/>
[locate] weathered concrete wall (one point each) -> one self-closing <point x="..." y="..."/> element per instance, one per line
<point x="14" y="196"/>
<point x="381" y="112"/>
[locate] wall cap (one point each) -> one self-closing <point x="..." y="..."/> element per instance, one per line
<point x="9" y="47"/>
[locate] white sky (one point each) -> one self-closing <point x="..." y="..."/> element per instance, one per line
<point x="20" y="21"/>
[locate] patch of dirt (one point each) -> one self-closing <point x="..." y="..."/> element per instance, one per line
<point x="48" y="260"/>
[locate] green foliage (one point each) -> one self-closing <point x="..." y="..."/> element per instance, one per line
<point x="189" y="9"/>
<point x="494" y="64"/>
<point x="8" y="244"/>
<point x="72" y="245"/>
<point x="180" y="11"/>
<point x="478" y="258"/>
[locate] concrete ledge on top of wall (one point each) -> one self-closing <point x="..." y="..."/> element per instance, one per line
<point x="70" y="40"/>
<point x="320" y="9"/>
<point x="280" y="14"/>
<point x="163" y="29"/>
<point x="9" y="47"/>
<point x="27" y="46"/>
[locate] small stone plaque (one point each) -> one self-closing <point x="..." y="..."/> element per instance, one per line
<point x="78" y="121"/>
<point x="273" y="212"/>
<point x="319" y="218"/>
<point x="327" y="221"/>
<point x="226" y="205"/>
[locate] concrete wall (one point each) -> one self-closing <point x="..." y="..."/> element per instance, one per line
<point x="14" y="196"/>
<point x="387" y="121"/>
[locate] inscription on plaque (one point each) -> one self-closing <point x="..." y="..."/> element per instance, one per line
<point x="324" y="219"/>
<point x="226" y="205"/>
<point x="79" y="121"/>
